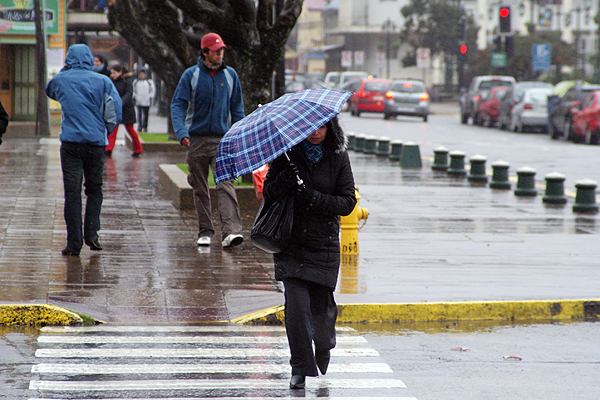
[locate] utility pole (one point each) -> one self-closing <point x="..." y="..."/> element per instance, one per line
<point x="42" y="125"/>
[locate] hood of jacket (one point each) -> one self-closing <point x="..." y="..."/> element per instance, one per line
<point x="79" y="56"/>
<point x="335" y="140"/>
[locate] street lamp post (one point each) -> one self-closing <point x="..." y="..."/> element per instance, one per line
<point x="388" y="27"/>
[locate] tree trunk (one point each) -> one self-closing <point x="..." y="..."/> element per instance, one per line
<point x="166" y="35"/>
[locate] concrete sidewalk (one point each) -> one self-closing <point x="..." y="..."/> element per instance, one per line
<point x="434" y="247"/>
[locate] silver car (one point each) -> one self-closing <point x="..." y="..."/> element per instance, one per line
<point x="406" y="97"/>
<point x="531" y="110"/>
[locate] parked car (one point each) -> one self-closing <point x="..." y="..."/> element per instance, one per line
<point x="351" y="86"/>
<point x="337" y="79"/>
<point x="296" y="86"/>
<point x="369" y="96"/>
<point x="531" y="109"/>
<point x="406" y="97"/>
<point x="512" y="96"/>
<point x="487" y="106"/>
<point x="586" y="123"/>
<point x="468" y="100"/>
<point x="560" y="120"/>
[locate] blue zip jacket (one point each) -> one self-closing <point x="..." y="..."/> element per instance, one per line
<point x="206" y="105"/>
<point x="91" y="105"/>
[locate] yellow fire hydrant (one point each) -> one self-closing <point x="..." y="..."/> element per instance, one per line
<point x="349" y="240"/>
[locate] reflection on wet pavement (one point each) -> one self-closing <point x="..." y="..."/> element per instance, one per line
<point x="150" y="268"/>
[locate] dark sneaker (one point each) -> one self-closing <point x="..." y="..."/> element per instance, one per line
<point x="94" y="244"/>
<point x="68" y="252"/>
<point x="297" y="382"/>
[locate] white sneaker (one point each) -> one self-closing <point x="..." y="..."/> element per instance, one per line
<point x="232" y="240"/>
<point x="204" y="241"/>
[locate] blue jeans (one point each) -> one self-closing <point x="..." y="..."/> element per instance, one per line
<point x="82" y="163"/>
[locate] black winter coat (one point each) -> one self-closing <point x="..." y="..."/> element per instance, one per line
<point x="125" y="88"/>
<point x="313" y="253"/>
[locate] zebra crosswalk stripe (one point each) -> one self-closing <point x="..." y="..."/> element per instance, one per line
<point x="257" y="368"/>
<point x="209" y="384"/>
<point x="107" y="360"/>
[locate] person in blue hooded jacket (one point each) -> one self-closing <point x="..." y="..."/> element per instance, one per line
<point x="207" y="101"/>
<point x="91" y="108"/>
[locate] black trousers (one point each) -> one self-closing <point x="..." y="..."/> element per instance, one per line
<point x="310" y="315"/>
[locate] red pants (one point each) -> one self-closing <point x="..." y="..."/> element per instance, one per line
<point x="135" y="139"/>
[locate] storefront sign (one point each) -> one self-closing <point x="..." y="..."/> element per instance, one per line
<point x="17" y="18"/>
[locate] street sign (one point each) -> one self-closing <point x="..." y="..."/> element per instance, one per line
<point x="423" y="58"/>
<point x="540" y="57"/>
<point x="359" y="58"/>
<point x="499" y="59"/>
<point x="346" y="58"/>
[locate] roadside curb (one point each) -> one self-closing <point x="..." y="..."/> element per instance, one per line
<point x="37" y="314"/>
<point x="446" y="311"/>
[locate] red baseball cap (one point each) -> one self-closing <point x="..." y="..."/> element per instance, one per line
<point x="212" y="41"/>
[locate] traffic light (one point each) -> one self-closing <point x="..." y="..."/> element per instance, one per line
<point x="505" y="20"/>
<point x="462" y="49"/>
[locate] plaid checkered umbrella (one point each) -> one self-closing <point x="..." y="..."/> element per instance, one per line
<point x="275" y="128"/>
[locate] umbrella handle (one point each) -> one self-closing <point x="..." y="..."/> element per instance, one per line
<point x="298" y="179"/>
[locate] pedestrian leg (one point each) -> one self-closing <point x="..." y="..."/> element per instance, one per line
<point x="299" y="327"/>
<point x="324" y="314"/>
<point x="93" y="167"/>
<point x="135" y="139"/>
<point x="198" y="160"/>
<point x="72" y="169"/>
<point x="229" y="209"/>
<point x="112" y="138"/>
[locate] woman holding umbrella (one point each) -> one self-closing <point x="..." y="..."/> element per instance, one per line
<point x="309" y="264"/>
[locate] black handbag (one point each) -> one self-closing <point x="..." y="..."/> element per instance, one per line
<point x="272" y="227"/>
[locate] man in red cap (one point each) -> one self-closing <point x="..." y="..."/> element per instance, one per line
<point x="207" y="101"/>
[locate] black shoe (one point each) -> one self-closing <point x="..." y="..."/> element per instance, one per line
<point x="68" y="252"/>
<point x="322" y="360"/>
<point x="297" y="382"/>
<point x="94" y="244"/>
<point x="136" y="155"/>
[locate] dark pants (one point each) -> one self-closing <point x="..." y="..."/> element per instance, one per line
<point x="82" y="163"/>
<point x="310" y="315"/>
<point x="142" y="117"/>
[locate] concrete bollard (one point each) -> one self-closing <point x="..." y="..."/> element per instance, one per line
<point x="525" y="182"/>
<point x="500" y="175"/>
<point x="410" y="156"/>
<point x="555" y="189"/>
<point x="440" y="159"/>
<point x="585" y="197"/>
<point x="395" y="150"/>
<point x="351" y="141"/>
<point x="457" y="164"/>
<point x="383" y="146"/>
<point x="477" y="172"/>
<point x="359" y="144"/>
<point x="370" y="145"/>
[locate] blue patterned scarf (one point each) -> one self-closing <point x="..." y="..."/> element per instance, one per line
<point x="313" y="152"/>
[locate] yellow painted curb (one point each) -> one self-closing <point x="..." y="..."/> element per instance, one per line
<point x="447" y="311"/>
<point x="269" y="316"/>
<point x="37" y="314"/>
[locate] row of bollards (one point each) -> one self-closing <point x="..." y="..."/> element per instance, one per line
<point x="453" y="163"/>
<point x="407" y="153"/>
<point x="585" y="197"/>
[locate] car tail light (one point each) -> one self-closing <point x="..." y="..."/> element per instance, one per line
<point x="477" y="98"/>
<point x="389" y="95"/>
<point x="361" y="94"/>
<point x="407" y="84"/>
<point x="527" y="106"/>
<point x="424" y="96"/>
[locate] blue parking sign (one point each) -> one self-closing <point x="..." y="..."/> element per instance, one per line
<point x="540" y="58"/>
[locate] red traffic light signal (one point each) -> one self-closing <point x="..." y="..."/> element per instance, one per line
<point x="463" y="49"/>
<point x="505" y="20"/>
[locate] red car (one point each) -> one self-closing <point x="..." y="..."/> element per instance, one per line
<point x="586" y="122"/>
<point x="369" y="97"/>
<point x="488" y="105"/>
